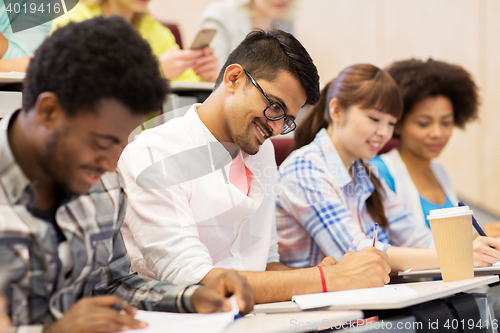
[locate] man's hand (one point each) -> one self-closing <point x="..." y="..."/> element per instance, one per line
<point x="207" y="66"/>
<point x="4" y="319"/>
<point x="364" y="269"/>
<point x="94" y="314"/>
<point x="174" y="62"/>
<point x="213" y="296"/>
<point x="328" y="261"/>
<point x="486" y="251"/>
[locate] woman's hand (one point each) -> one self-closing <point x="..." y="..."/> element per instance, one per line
<point x="486" y="251"/>
<point x="491" y="229"/>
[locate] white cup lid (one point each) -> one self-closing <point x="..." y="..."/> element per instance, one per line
<point x="449" y="212"/>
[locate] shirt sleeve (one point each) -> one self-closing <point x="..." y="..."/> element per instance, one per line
<point x="143" y="293"/>
<point x="161" y="221"/>
<point x="23" y="43"/>
<point x="310" y="195"/>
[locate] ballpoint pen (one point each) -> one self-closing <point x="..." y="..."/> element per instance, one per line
<point x="375" y="233"/>
<point x="474" y="222"/>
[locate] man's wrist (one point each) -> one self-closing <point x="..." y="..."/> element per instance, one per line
<point x="184" y="302"/>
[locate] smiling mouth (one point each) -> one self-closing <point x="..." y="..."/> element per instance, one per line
<point x="91" y="176"/>
<point x="265" y="134"/>
<point x="435" y="147"/>
<point x="375" y="145"/>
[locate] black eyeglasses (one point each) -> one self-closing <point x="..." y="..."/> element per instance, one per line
<point x="274" y="111"/>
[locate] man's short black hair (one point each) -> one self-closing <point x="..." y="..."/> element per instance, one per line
<point x="265" y="54"/>
<point x="101" y="58"/>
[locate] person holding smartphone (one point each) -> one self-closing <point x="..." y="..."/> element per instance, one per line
<point x="234" y="19"/>
<point x="4" y="318"/>
<point x="176" y="64"/>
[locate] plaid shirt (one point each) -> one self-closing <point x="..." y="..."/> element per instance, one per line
<point x="31" y="256"/>
<point x="322" y="211"/>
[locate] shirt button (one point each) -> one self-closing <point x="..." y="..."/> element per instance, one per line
<point x="252" y="202"/>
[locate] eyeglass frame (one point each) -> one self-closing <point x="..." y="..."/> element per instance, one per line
<point x="271" y="102"/>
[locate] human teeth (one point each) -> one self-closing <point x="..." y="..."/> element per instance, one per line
<point x="260" y="131"/>
<point x="376" y="144"/>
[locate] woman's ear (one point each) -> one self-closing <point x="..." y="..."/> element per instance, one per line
<point x="335" y="110"/>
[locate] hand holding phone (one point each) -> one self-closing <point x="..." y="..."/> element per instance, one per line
<point x="203" y="39"/>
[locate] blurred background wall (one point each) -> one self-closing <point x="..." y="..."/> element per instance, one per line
<point x="339" y="33"/>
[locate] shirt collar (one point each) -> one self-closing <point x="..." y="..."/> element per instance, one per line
<point x="337" y="168"/>
<point x="201" y="135"/>
<point x="17" y="186"/>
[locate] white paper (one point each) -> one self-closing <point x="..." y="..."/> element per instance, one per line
<point x="166" y="322"/>
<point x="354" y="297"/>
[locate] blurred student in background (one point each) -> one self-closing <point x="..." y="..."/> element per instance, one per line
<point x="234" y="19"/>
<point x="437" y="96"/>
<point x="4" y="318"/>
<point x="176" y="64"/>
<point x="330" y="199"/>
<point x="16" y="49"/>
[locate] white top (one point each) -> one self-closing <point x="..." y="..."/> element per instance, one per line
<point x="405" y="188"/>
<point x="232" y="24"/>
<point x="179" y="232"/>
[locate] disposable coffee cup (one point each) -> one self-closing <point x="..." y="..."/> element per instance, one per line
<point x="451" y="229"/>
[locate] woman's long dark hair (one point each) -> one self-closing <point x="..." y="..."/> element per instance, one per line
<point x="367" y="87"/>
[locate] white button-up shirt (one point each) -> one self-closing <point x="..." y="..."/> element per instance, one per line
<point x="184" y="218"/>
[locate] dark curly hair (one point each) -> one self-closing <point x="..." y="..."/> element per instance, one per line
<point x="83" y="63"/>
<point x="418" y="80"/>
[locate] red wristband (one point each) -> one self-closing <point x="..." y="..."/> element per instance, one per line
<point x="323" y="281"/>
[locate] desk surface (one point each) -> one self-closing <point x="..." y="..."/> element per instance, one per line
<point x="17" y="77"/>
<point x="178" y="86"/>
<point x="367" y="299"/>
<point x="12" y="77"/>
<point x="430" y="273"/>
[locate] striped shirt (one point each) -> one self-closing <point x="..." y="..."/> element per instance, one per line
<point x="321" y="209"/>
<point x="43" y="277"/>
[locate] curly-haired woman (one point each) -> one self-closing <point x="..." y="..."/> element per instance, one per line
<point x="437" y="96"/>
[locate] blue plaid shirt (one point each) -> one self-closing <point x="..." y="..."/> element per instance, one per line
<point x="96" y="262"/>
<point x="321" y="210"/>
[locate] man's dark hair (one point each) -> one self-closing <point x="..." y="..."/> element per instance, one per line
<point x="265" y="54"/>
<point x="101" y="58"/>
<point x="419" y="79"/>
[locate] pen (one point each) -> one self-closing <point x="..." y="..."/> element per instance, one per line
<point x="375" y="233"/>
<point x="119" y="307"/>
<point x="474" y="222"/>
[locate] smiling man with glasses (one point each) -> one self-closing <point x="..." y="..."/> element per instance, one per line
<point x="202" y="188"/>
